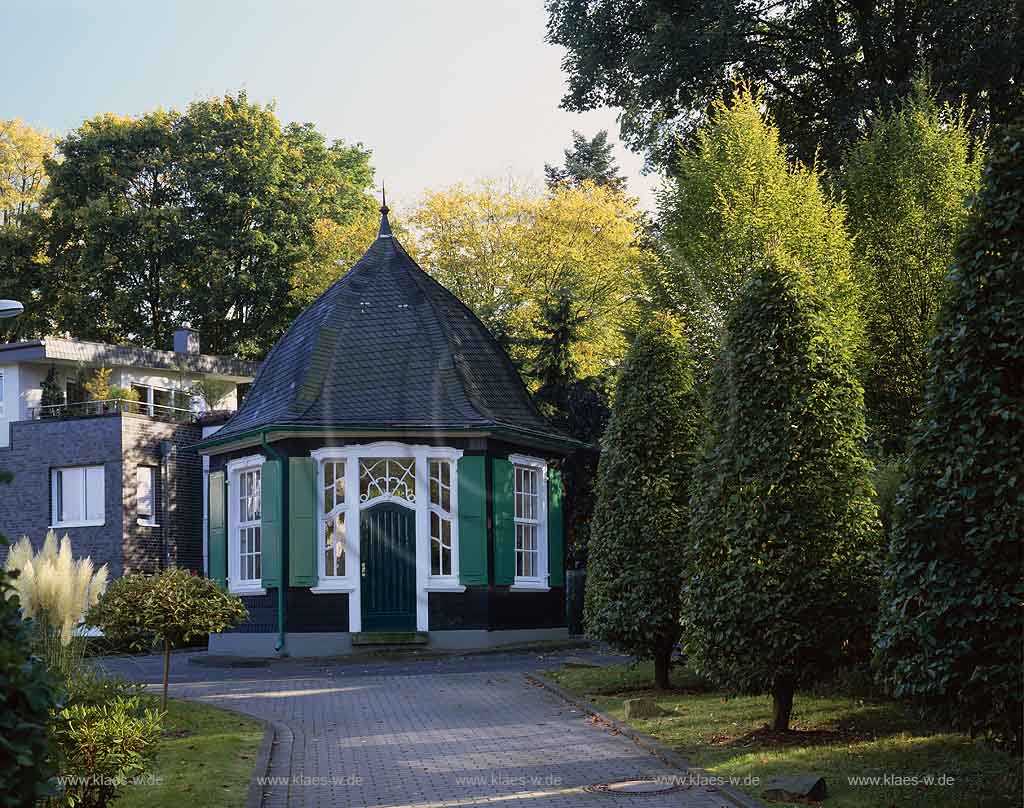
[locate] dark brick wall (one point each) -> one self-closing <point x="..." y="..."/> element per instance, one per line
<point x="37" y="447"/>
<point x="178" y="537"/>
<point x="120" y="443"/>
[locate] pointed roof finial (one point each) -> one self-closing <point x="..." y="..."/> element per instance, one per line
<point x="385" y="225"/>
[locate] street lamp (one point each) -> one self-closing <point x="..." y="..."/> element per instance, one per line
<point x="10" y="308"/>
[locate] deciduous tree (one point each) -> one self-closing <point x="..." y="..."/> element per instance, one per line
<point x="734" y="197"/>
<point x="827" y="66"/>
<point x="906" y="187"/>
<point x="587" y="160"/>
<point x="507" y="253"/>
<point x="783" y="534"/>
<point x="951" y="626"/>
<point x="639" y="530"/>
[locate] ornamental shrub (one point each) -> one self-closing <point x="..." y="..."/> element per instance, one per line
<point x="783" y="534"/>
<point x="28" y="697"/>
<point x="55" y="590"/>
<point x="174" y="606"/>
<point x="639" y="530"/>
<point x="102" y="747"/>
<point x="950" y="631"/>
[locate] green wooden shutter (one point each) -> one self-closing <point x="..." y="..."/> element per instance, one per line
<point x="556" y="528"/>
<point x="302" y="527"/>
<point x="271" y="524"/>
<point x="503" y="483"/>
<point x="472" y="521"/>
<point x="217" y="528"/>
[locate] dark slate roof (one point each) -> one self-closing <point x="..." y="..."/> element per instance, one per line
<point x="386" y="347"/>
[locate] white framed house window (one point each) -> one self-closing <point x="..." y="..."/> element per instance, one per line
<point x="145" y="495"/>
<point x="78" y="493"/>
<point x="530" y="522"/>
<point x="245" y="571"/>
<point x="1" y="393"/>
<point x="334" y="519"/>
<point x="442" y="512"/>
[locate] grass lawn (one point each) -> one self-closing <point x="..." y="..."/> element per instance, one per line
<point x="837" y="737"/>
<point x="205" y="759"/>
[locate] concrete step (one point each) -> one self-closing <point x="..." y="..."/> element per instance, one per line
<point x="389" y="638"/>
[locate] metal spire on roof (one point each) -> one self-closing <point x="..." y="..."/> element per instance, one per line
<point x="385" y="226"/>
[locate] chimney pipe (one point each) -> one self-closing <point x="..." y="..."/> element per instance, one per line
<point x="186" y="341"/>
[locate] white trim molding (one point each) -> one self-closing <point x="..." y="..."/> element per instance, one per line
<point x="352" y="455"/>
<point x="234" y="470"/>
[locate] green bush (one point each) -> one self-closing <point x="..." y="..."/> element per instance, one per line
<point x="28" y="696"/>
<point x="784" y="540"/>
<point x="176" y="607"/>
<point x="950" y="631"/>
<point x="635" y="574"/>
<point x="102" y="747"/>
<point x="91" y="687"/>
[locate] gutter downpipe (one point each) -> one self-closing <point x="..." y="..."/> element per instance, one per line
<point x="280" y="647"/>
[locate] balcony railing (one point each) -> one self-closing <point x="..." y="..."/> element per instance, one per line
<point x="113" y="406"/>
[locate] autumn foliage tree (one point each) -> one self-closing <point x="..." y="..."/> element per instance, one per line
<point x="736" y="195"/>
<point x="783" y="548"/>
<point x="951" y="625"/>
<point x="639" y="530"/>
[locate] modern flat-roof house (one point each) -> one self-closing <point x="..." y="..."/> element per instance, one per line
<point x="121" y="477"/>
<point x="387" y="479"/>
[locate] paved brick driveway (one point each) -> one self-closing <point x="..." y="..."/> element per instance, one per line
<point x="428" y="741"/>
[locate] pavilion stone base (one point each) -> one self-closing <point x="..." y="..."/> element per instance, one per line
<point x="338" y="643"/>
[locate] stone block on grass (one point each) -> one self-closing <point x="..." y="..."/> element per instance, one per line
<point x="642" y="708"/>
<point x="796" y="787"/>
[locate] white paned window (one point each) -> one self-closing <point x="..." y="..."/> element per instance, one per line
<point x="248" y="493"/>
<point x="335" y="536"/>
<point x="441" y="543"/>
<point x="530" y="521"/>
<point x="1" y="394"/>
<point x="145" y="495"/>
<point x="78" y="496"/>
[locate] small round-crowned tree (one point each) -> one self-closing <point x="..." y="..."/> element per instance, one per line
<point x="784" y="534"/>
<point x="634" y="572"/>
<point x="950" y="631"/>
<point x="175" y="606"/>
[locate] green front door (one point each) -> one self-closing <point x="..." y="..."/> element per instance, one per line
<point x="387" y="554"/>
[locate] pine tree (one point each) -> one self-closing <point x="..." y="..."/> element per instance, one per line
<point x="783" y="531"/>
<point x="951" y="624"/>
<point x="634" y="573"/>
<point x="588" y="160"/>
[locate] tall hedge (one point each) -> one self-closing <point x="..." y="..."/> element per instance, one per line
<point x="952" y="622"/>
<point x="639" y="529"/>
<point x="784" y="535"/>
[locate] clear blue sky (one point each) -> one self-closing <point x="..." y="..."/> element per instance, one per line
<point x="442" y="91"/>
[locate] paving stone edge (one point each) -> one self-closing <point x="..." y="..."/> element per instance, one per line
<point x="648" y="743"/>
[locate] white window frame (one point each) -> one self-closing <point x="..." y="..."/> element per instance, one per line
<point x="452" y="517"/>
<point x="3" y="398"/>
<point x="538" y="582"/>
<point x="57" y="492"/>
<point x="235" y="468"/>
<point x="151" y="520"/>
<point x="425" y="582"/>
<point x="336" y="583"/>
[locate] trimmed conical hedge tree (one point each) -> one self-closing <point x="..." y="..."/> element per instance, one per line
<point x="639" y="529"/>
<point x="784" y="534"/>
<point x="950" y="633"/>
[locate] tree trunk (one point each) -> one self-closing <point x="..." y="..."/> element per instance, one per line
<point x="662" y="665"/>
<point x="782" y="704"/>
<point x="167" y="672"/>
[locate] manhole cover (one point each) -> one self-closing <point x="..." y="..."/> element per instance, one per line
<point x="634" y="787"/>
